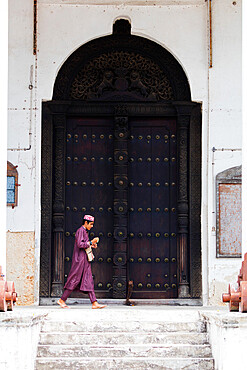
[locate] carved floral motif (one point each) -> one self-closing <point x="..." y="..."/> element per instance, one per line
<point x="121" y="73"/>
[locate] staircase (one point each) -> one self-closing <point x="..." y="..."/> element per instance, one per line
<point x="124" y="338"/>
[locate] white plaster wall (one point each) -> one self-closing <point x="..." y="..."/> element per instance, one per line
<point x="179" y="26"/>
<point x="21" y="114"/>
<point x="225" y="129"/>
<point x="176" y="33"/>
<point x="4" y="123"/>
<point x="24" y="130"/>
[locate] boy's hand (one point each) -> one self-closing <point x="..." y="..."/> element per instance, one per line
<point x="94" y="242"/>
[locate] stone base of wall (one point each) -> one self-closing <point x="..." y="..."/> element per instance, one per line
<point x="228" y="338"/>
<point x="20" y="264"/>
<point x="222" y="274"/>
<point x="19" y="335"/>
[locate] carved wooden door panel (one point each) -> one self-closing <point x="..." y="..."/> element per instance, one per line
<point x="98" y="160"/>
<point x="152" y="208"/>
<point x="89" y="190"/>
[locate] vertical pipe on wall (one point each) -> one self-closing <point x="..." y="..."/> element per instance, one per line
<point x="210" y="33"/>
<point x="35" y="27"/>
<point x="206" y="149"/>
<point x="3" y="136"/>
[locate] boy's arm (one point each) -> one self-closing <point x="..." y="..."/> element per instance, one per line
<point x="82" y="239"/>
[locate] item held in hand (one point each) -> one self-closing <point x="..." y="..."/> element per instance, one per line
<point x="90" y="255"/>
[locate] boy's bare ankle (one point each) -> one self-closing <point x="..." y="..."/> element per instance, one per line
<point x="97" y="305"/>
<point x="62" y="303"/>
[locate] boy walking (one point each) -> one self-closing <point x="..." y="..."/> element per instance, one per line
<point x="80" y="275"/>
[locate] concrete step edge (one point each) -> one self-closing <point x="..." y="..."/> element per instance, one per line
<point x="120" y="351"/>
<point x="82" y="333"/>
<point x="132" y="358"/>
<point x="144" y="320"/>
<point x="119" y="346"/>
<point x="122" y="338"/>
<point x="130" y="317"/>
<point x="190" y="326"/>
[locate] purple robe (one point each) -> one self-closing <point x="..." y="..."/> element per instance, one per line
<point x="80" y="275"/>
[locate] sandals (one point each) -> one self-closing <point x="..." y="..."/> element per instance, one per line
<point x="98" y="307"/>
<point x="62" y="304"/>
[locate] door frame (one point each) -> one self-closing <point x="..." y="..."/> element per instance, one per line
<point x="54" y="115"/>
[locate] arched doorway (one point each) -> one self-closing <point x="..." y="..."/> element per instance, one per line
<point x="122" y="140"/>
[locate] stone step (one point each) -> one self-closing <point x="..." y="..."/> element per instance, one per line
<point x="137" y="363"/>
<point x="126" y="338"/>
<point x="123" y="326"/>
<point x="144" y="350"/>
<point x="123" y="338"/>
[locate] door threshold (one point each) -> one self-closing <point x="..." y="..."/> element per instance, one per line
<point x="121" y="302"/>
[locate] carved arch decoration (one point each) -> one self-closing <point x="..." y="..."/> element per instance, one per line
<point x="121" y="67"/>
<point x="121" y="75"/>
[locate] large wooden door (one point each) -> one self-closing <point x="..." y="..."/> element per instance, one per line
<point x="122" y="76"/>
<point x="152" y="195"/>
<point x="153" y="208"/>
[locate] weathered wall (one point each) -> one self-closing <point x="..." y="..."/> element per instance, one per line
<point x="19" y="336"/>
<point x="20" y="265"/>
<point x="227" y="336"/>
<point x="179" y="26"/>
